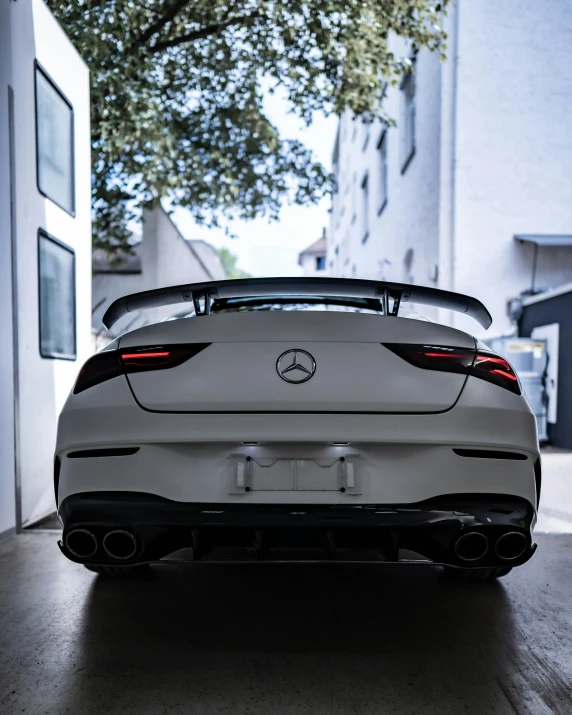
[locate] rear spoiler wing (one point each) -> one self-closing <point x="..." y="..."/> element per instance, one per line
<point x="390" y="295"/>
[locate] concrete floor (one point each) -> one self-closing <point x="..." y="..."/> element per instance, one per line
<point x="346" y="640"/>
<point x="210" y="639"/>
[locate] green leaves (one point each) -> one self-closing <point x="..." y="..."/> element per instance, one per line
<point x="177" y="100"/>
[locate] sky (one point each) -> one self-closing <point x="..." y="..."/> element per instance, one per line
<point x="271" y="248"/>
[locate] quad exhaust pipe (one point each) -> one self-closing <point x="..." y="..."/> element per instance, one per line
<point x="120" y="544"/>
<point x="511" y="545"/>
<point x="81" y="543"/>
<point x="471" y="546"/>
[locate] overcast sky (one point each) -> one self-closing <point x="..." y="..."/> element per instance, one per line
<point x="271" y="248"/>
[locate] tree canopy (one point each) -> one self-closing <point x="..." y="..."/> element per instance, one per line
<point x="177" y="97"/>
<point x="230" y="264"/>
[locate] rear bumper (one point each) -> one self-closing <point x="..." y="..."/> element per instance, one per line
<point x="314" y="532"/>
<point x="296" y="473"/>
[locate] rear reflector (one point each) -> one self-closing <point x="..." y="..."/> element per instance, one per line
<point x="482" y="364"/>
<point x="106" y="365"/>
<point x="113" y="452"/>
<point x="489" y="454"/>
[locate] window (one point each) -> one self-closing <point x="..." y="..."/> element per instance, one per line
<point x="407" y="120"/>
<point x="56" y="266"/>
<point x="364" y="209"/>
<point x="382" y="174"/>
<point x="54" y="143"/>
<point x="320" y="263"/>
<point x="354" y="197"/>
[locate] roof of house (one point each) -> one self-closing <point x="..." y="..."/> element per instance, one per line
<point x="123" y="263"/>
<point x="318" y="248"/>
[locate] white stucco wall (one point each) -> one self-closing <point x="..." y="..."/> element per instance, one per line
<point x="7" y="476"/>
<point x="409" y="219"/>
<point x="493" y="157"/>
<point x="45" y="383"/>
<point x="514" y="147"/>
<point x="308" y="263"/>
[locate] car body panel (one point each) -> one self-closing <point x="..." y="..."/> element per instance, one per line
<point x="368" y="428"/>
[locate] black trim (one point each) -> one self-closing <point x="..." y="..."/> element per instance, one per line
<point x="39" y="68"/>
<point x="538" y="480"/>
<point x="489" y="454"/>
<point x="42" y="233"/>
<point x="429" y="527"/>
<point x="57" y="470"/>
<point x="114" y="452"/>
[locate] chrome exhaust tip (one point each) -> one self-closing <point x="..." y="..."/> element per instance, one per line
<point x="120" y="545"/>
<point x="511" y="545"/>
<point x="81" y="543"/>
<point x="472" y="546"/>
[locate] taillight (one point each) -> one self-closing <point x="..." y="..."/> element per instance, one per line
<point x="494" y="368"/>
<point x="105" y="365"/>
<point x="484" y="365"/>
<point x="433" y="357"/>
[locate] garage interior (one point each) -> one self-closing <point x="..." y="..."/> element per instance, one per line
<point x="290" y="638"/>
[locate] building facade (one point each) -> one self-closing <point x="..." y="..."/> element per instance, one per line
<point x="45" y="248"/>
<point x="480" y="155"/>
<point x="161" y="257"/>
<point x="313" y="259"/>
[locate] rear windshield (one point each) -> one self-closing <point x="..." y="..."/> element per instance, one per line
<point x="302" y="303"/>
<point x="308" y="303"/>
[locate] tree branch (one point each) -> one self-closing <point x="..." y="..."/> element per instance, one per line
<point x="159" y="46"/>
<point x="170" y="14"/>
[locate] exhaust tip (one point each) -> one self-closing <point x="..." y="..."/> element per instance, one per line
<point x="81" y="543"/>
<point x="472" y="546"/>
<point x="511" y="545"/>
<point x="120" y="544"/>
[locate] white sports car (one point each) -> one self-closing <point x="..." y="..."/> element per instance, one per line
<point x="298" y="419"/>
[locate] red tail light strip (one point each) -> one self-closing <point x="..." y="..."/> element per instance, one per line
<point x="143" y="356"/>
<point x="108" y="364"/>
<point x="486" y="366"/>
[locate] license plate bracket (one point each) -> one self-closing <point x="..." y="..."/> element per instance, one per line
<point x="251" y="473"/>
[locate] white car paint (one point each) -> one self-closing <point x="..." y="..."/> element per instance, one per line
<point x="400" y="422"/>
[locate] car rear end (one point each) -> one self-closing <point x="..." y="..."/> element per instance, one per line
<point x="392" y="437"/>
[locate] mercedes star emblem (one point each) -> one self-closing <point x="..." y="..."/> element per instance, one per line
<point x="295" y="366"/>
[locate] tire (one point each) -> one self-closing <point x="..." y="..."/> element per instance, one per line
<point x="118" y="571"/>
<point x="477" y="575"/>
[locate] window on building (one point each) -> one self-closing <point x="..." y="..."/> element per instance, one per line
<point x="382" y="173"/>
<point x="57" y="298"/>
<point x="54" y="143"/>
<point x="364" y="208"/>
<point x="407" y="120"/>
<point x="320" y="263"/>
<point x="354" y="197"/>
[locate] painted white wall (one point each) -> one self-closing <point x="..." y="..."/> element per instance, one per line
<point x="493" y="157"/>
<point x="409" y="219"/>
<point x="7" y="476"/>
<point x="44" y="383"/>
<point x="166" y="259"/>
<point x="514" y="147"/>
<point x="308" y="263"/>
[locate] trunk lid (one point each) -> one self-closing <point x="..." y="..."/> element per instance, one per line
<point x="296" y="362"/>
